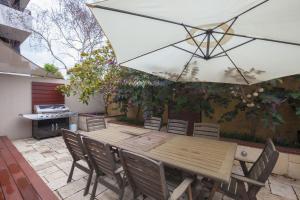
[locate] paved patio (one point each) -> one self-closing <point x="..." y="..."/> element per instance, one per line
<point x="52" y="161"/>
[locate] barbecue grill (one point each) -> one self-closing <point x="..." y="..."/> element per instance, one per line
<point x="47" y="120"/>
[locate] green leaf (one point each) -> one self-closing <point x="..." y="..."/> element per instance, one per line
<point x="298" y="111"/>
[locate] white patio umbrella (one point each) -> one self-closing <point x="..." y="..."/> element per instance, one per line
<point x="231" y="41"/>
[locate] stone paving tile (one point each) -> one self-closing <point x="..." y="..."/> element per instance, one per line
<point x="58" y="183"/>
<point x="72" y="188"/>
<point x="297" y="191"/>
<point x="283" y="190"/>
<point x="285" y="180"/>
<point x="42" y="166"/>
<point x="58" y="196"/>
<point x="42" y="161"/>
<point x="217" y="196"/>
<point x="107" y="195"/>
<point x="78" y="174"/>
<point x="227" y="198"/>
<point x="100" y="188"/>
<point x="55" y="175"/>
<point x="48" y="170"/>
<point x="79" y="196"/>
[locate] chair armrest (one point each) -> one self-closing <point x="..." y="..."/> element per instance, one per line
<point x="119" y="170"/>
<point x="241" y="159"/>
<point x="248" y="180"/>
<point x="180" y="190"/>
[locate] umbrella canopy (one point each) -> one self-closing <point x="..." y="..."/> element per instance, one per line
<point x="231" y="41"/>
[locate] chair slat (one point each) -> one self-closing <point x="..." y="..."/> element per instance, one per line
<point x="95" y="123"/>
<point x="153" y="123"/>
<point x="74" y="145"/>
<point x="206" y="130"/>
<point x="177" y="126"/>
<point x="145" y="175"/>
<point x="99" y="153"/>
<point x="267" y="159"/>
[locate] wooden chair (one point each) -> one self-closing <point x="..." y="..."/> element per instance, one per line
<point x="207" y="130"/>
<point x="147" y="178"/>
<point x="153" y="123"/>
<point x="254" y="178"/>
<point x="74" y="144"/>
<point x="177" y="126"/>
<point x="102" y="159"/>
<point x="95" y="122"/>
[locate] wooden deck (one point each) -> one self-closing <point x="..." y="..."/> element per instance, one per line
<point x="18" y="179"/>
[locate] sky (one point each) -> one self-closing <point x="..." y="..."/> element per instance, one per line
<point x="40" y="56"/>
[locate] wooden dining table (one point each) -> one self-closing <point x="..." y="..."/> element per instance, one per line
<point x="201" y="156"/>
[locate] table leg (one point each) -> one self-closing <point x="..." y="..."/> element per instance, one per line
<point x="213" y="191"/>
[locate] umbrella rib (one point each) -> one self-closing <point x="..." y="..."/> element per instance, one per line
<point x="239" y="71"/>
<point x="188" y="51"/>
<point x="246" y="11"/>
<point x="193" y="39"/>
<point x="187" y="64"/>
<point x="259" y="38"/>
<point x="219" y="41"/>
<point x="169" y="45"/>
<point x="216" y="55"/>
<point x="190" y="59"/>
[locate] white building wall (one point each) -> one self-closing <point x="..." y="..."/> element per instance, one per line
<point x="15" y="99"/>
<point x="14" y="24"/>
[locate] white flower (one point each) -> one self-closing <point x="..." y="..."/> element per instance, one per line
<point x="249" y="96"/>
<point x="255" y="94"/>
<point x="261" y="90"/>
<point x="244" y="101"/>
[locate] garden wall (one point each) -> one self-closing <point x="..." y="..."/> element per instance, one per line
<point x="290" y="129"/>
<point x="241" y="125"/>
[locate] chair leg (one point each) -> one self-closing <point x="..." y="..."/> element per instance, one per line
<point x="190" y="196"/>
<point x="87" y="188"/>
<point x="71" y="172"/>
<point x="95" y="187"/>
<point x="213" y="191"/>
<point x="121" y="194"/>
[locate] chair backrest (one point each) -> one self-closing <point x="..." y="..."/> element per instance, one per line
<point x="145" y="176"/>
<point x="100" y="156"/>
<point x="207" y="130"/>
<point x="264" y="165"/>
<point x="95" y="122"/>
<point x="177" y="126"/>
<point x="74" y="144"/>
<point x="153" y="123"/>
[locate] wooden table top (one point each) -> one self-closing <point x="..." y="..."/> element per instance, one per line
<point x="206" y="157"/>
<point x="202" y="156"/>
<point x="115" y="133"/>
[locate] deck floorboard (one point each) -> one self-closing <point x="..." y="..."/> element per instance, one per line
<point x="18" y="179"/>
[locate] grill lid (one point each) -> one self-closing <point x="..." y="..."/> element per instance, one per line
<point x="51" y="108"/>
